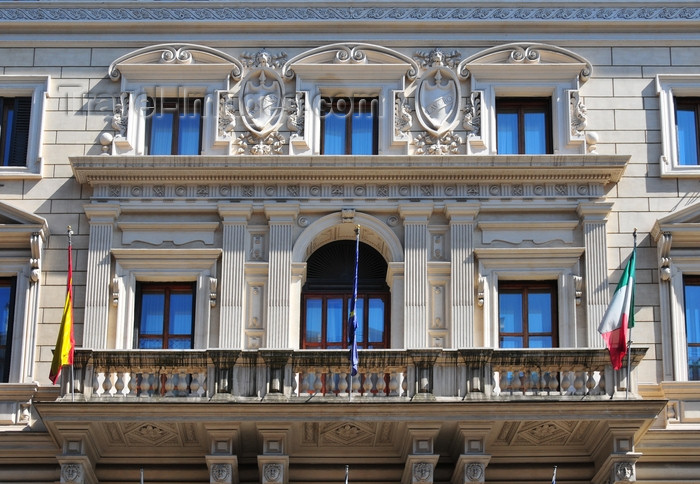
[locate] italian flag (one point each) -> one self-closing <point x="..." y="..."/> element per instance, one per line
<point x="619" y="317"/>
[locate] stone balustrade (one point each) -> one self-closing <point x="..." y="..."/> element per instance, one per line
<point x="383" y="374"/>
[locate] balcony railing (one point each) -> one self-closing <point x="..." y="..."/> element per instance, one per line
<point x="383" y="374"/>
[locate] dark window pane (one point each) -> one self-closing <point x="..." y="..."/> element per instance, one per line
<point x="334" y="134"/>
<point x="152" y="309"/>
<point x="539" y="313"/>
<point x="334" y="321"/>
<point x="376" y="320"/>
<point x="181" y="313"/>
<point x="535" y="126"/>
<point x="507" y="124"/>
<point x="687" y="132"/>
<point x="511" y="313"/>
<point x="314" y="320"/>
<point x="161" y="134"/>
<point x="14" y="130"/>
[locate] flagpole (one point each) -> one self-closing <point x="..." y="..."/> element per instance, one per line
<point x="70" y="255"/>
<point x="629" y="330"/>
<point x="352" y="320"/>
<point x="142" y="475"/>
<point x="347" y="470"/>
<point x="554" y="475"/>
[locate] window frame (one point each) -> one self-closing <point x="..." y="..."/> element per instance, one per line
<point x="35" y="87"/>
<point x="385" y="296"/>
<point x="521" y="106"/>
<point x="168" y="289"/>
<point x="690" y="280"/>
<point x="132" y="266"/>
<point x="671" y="87"/>
<point x="525" y="288"/>
<point x="330" y="104"/>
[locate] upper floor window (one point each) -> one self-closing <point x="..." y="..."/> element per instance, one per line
<point x="174" y="126"/>
<point x="692" y="325"/>
<point x="527" y="314"/>
<point x="7" y="307"/>
<point x="165" y="315"/>
<point x="523" y="126"/>
<point x="349" y="125"/>
<point x="14" y="129"/>
<point x="688" y="130"/>
<point x="327" y="294"/>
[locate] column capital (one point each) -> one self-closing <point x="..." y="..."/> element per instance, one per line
<point x="462" y="212"/>
<point x="281" y="212"/>
<point x="416" y="212"/>
<point x="235" y="212"/>
<point x="102" y="212"/>
<point x="594" y="211"/>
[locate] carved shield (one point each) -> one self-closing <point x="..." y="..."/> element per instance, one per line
<point x="261" y="101"/>
<point x="438" y="100"/>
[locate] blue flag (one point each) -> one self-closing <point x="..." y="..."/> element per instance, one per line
<point x="352" y="319"/>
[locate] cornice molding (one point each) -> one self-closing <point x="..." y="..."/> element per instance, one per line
<point x="306" y="169"/>
<point x="124" y="12"/>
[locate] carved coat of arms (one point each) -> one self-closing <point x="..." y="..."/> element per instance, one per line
<point x="261" y="101"/>
<point x="438" y="100"/>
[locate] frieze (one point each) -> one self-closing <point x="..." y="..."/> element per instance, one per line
<point x="266" y="14"/>
<point x="437" y="191"/>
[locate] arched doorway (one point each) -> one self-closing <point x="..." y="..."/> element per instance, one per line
<point x="327" y="293"/>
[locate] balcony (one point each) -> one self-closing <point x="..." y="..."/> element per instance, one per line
<point x="392" y="375"/>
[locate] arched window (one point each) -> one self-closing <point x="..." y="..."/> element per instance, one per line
<point x="327" y="293"/>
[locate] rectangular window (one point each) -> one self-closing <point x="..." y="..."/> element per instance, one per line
<point x="688" y="130"/>
<point x="523" y="126"/>
<point x="14" y="130"/>
<point x="7" y="307"/>
<point x="349" y="126"/>
<point x="174" y="126"/>
<point x="692" y="325"/>
<point x="164" y="315"/>
<point x="527" y="314"/>
<point x="325" y="320"/>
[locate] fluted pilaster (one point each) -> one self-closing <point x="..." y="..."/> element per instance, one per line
<point x="234" y="220"/>
<point x="596" y="278"/>
<point x="415" y="217"/>
<point x="281" y="219"/>
<point x="97" y="296"/>
<point x="462" y="221"/>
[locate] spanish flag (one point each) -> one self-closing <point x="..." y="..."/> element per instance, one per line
<point x="65" y="344"/>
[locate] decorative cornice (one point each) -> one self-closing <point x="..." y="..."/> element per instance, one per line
<point x="192" y="169"/>
<point x="362" y="13"/>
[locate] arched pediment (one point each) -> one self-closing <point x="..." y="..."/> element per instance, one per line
<point x="525" y="61"/>
<point x="373" y="232"/>
<point x="351" y="61"/>
<point x="175" y="61"/>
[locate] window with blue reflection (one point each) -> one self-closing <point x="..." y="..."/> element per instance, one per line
<point x="688" y="130"/>
<point x="349" y="126"/>
<point x="527" y="314"/>
<point x="165" y="315"/>
<point x="7" y="306"/>
<point x="334" y="322"/>
<point x="692" y="325"/>
<point x="174" y="126"/>
<point x="523" y="126"/>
